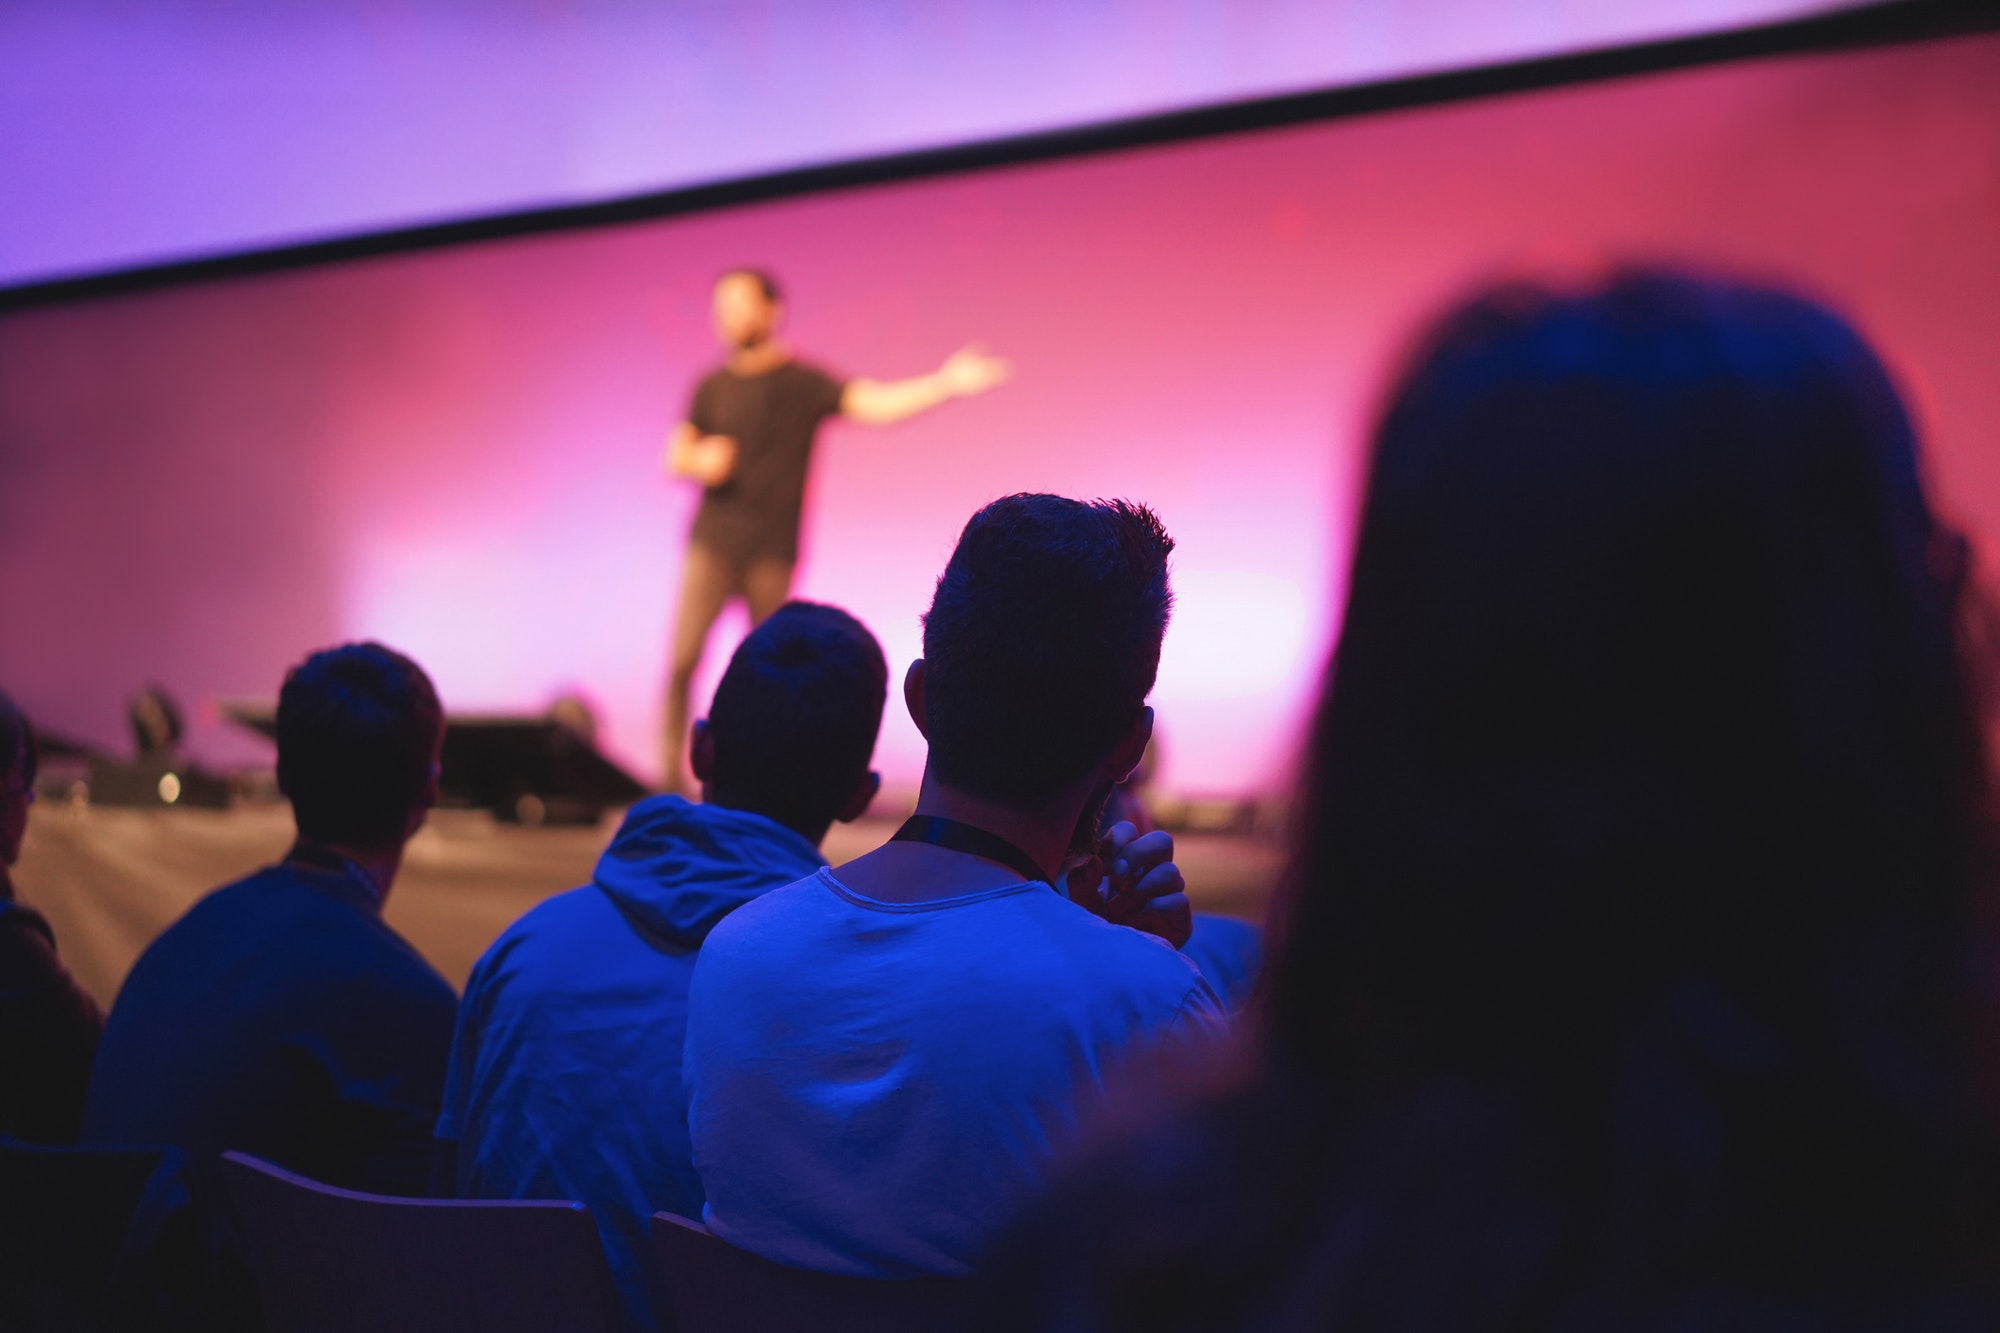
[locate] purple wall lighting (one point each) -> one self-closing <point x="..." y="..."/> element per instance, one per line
<point x="134" y="134"/>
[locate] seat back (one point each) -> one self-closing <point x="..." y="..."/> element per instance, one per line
<point x="717" y="1288"/>
<point x="92" y="1239"/>
<point x="330" y="1259"/>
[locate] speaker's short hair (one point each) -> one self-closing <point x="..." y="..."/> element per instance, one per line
<point x="762" y="277"/>
<point x="1042" y="642"/>
<point x="359" y="727"/>
<point x="794" y="720"/>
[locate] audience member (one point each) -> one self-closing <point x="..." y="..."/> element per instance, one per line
<point x="880" y="1062"/>
<point x="281" y="1016"/>
<point x="1628" y="972"/>
<point x="48" y="1026"/>
<point x="565" y="1078"/>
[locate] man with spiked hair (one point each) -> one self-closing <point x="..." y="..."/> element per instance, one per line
<point x="883" y="1059"/>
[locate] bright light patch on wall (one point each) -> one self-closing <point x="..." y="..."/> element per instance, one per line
<point x="508" y="626"/>
<point x="1235" y="634"/>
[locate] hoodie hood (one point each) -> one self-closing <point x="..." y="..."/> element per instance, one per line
<point x="676" y="868"/>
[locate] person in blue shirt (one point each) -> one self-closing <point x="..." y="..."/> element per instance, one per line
<point x="565" y="1076"/>
<point x="281" y="1016"/>
<point x="883" y="1061"/>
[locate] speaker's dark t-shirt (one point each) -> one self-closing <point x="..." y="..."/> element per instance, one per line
<point x="773" y="418"/>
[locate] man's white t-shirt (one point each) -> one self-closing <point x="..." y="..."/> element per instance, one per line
<point x="875" y="1087"/>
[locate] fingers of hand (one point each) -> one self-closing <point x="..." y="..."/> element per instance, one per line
<point x="1161" y="882"/>
<point x="721" y="458"/>
<point x="1131" y="856"/>
<point x="1112" y="844"/>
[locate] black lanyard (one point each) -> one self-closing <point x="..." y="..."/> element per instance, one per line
<point x="956" y="837"/>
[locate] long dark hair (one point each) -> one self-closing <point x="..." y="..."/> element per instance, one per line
<point x="19" y="751"/>
<point x="1626" y="975"/>
<point x="1646" y="800"/>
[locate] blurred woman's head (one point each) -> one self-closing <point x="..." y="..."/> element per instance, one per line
<point x="1625" y="973"/>
<point x="1649" y="737"/>
<point x="18" y="756"/>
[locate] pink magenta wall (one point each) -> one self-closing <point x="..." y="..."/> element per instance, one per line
<point x="457" y="451"/>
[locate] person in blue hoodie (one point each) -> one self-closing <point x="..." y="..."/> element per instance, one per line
<point x="565" y="1073"/>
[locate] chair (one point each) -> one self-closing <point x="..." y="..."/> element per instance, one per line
<point x="329" y="1259"/>
<point x="94" y="1239"/>
<point x="717" y="1288"/>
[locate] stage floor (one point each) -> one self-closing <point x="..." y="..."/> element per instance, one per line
<point x="109" y="880"/>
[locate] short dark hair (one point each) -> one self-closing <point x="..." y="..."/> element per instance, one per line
<point x="762" y="277"/>
<point x="1042" y="642"/>
<point x="358" y="730"/>
<point x="795" y="718"/>
<point x="19" y="752"/>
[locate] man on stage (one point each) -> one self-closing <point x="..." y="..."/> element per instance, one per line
<point x="747" y="439"/>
